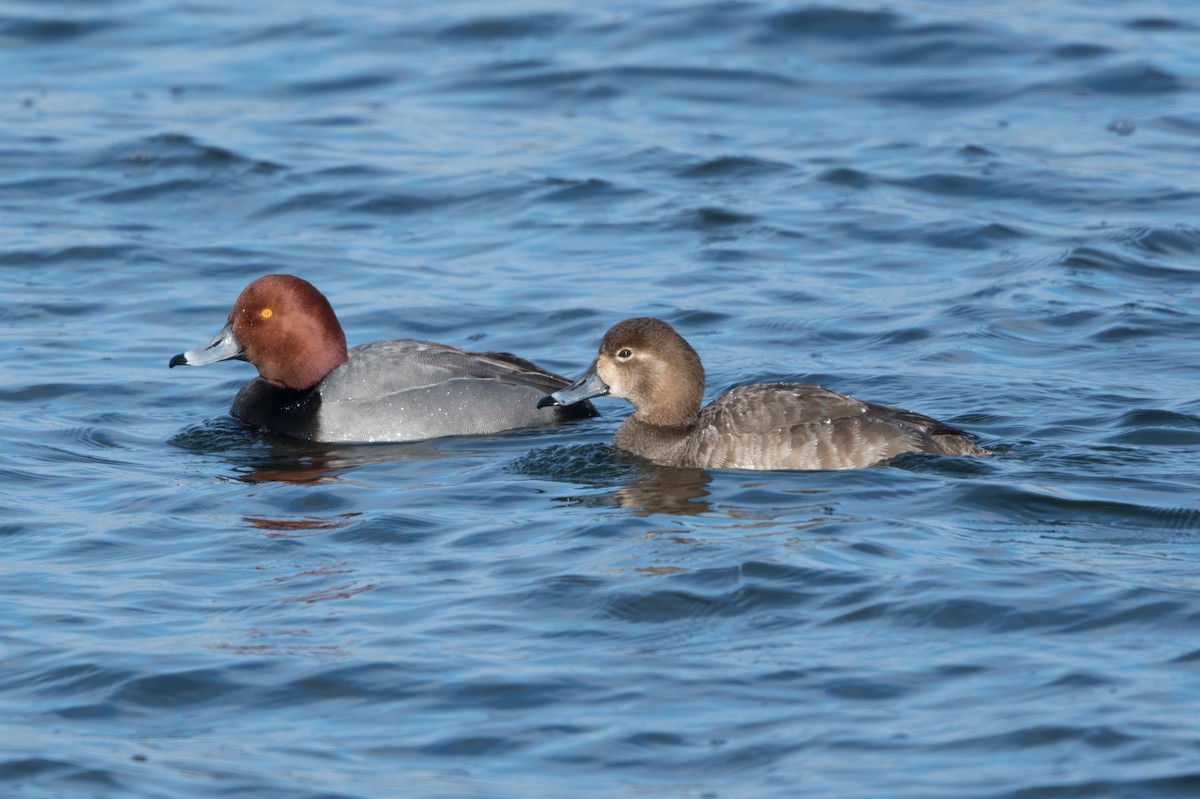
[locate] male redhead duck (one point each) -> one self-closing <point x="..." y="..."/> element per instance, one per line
<point x="310" y="387"/>
<point x="771" y="426"/>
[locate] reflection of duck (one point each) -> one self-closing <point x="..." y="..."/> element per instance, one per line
<point x="299" y="526"/>
<point x="602" y="477"/>
<point x="678" y="492"/>
<point x="312" y="464"/>
<point x="772" y="426"/>
<point x="312" y="388"/>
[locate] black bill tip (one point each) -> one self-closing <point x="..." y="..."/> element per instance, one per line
<point x="181" y="360"/>
<point x="547" y="401"/>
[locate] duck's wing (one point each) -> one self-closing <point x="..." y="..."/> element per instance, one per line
<point x="387" y="367"/>
<point x="795" y="426"/>
<point x="526" y="372"/>
<point x="759" y="409"/>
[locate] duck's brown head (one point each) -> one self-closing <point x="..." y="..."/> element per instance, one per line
<point x="644" y="361"/>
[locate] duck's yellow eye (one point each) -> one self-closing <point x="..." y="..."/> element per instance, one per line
<point x="265" y="313"/>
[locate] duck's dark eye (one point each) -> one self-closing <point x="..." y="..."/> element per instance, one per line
<point x="625" y="353"/>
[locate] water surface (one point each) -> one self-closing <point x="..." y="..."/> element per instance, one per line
<point x="982" y="211"/>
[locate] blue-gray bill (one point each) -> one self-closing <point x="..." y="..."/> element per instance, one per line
<point x="222" y="348"/>
<point x="587" y="386"/>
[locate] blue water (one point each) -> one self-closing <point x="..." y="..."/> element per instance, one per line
<point x="987" y="212"/>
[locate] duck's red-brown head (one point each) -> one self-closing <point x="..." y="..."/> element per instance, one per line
<point x="282" y="325"/>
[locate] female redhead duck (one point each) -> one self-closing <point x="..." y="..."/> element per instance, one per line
<point x="310" y="387"/>
<point x="772" y="426"/>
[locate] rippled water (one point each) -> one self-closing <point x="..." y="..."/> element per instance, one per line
<point x="983" y="211"/>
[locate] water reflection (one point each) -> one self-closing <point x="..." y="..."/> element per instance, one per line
<point x="642" y="487"/>
<point x="651" y="490"/>
<point x="299" y="526"/>
<point x="617" y="479"/>
<point x="284" y="642"/>
<point x="259" y="457"/>
<point x="678" y="492"/>
<point x="308" y="464"/>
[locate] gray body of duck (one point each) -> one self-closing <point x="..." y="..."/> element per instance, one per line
<point x="770" y="426"/>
